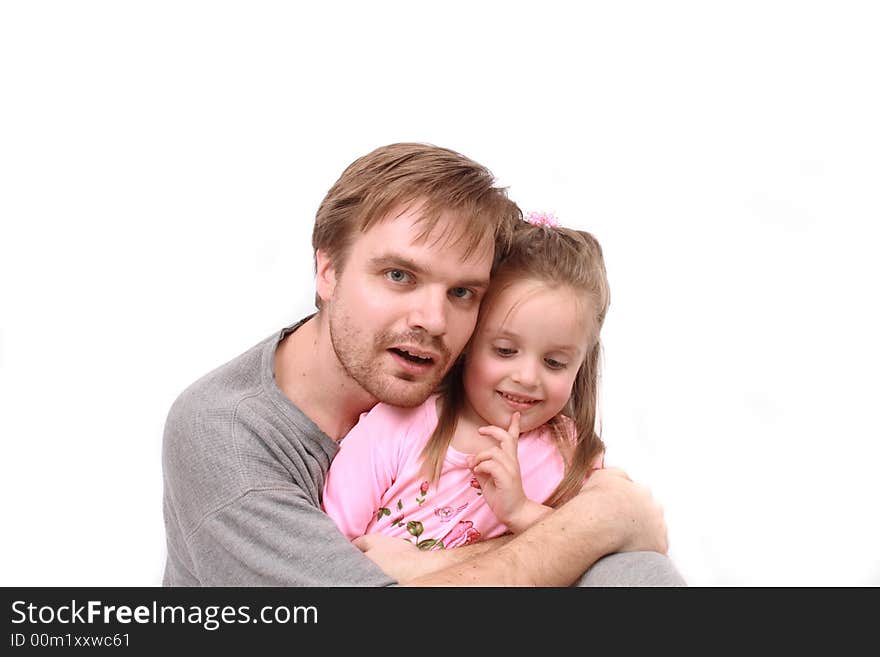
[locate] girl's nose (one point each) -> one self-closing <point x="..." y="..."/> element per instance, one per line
<point x="526" y="373"/>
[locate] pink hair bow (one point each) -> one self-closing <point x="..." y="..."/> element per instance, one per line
<point x="542" y="219"/>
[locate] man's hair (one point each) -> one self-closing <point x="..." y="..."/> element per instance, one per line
<point x="397" y="176"/>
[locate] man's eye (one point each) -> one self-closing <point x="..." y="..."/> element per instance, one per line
<point x="461" y="293"/>
<point x="554" y="364"/>
<point x="397" y="275"/>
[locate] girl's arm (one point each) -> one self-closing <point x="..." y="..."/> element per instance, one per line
<point x="498" y="472"/>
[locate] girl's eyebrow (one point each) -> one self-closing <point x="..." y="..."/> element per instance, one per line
<point x="501" y="332"/>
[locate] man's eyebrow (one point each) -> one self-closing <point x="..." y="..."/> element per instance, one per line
<point x="380" y="262"/>
<point x="396" y="261"/>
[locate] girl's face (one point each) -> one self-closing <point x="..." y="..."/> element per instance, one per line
<point x="525" y="353"/>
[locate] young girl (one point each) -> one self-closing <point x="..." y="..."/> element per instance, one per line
<point x="512" y="432"/>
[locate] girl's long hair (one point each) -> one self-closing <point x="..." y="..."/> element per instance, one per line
<point x="557" y="257"/>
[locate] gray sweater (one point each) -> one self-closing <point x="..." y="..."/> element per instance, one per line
<point x="243" y="471"/>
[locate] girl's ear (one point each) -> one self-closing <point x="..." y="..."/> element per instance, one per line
<point x="325" y="277"/>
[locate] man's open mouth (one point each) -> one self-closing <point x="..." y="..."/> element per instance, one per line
<point x="412" y="357"/>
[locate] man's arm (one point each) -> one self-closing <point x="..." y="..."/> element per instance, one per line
<point x="611" y="514"/>
<point x="235" y="515"/>
<point x="272" y="537"/>
<point x="404" y="561"/>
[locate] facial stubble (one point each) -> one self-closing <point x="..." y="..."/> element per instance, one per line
<point x="362" y="359"/>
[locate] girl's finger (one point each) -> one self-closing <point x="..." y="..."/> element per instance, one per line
<point x="493" y="454"/>
<point x="491" y="469"/>
<point x="505" y="440"/>
<point x="513" y="429"/>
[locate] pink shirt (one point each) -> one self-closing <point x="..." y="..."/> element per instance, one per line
<point x="375" y="486"/>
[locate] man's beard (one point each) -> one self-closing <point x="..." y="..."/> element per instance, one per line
<point x="361" y="361"/>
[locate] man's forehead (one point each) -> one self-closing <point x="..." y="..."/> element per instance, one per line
<point x="447" y="234"/>
<point x="453" y="239"/>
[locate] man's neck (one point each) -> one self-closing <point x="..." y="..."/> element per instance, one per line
<point x="309" y="373"/>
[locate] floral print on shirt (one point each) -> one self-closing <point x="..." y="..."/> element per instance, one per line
<point x="462" y="533"/>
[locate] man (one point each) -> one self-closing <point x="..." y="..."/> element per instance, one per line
<point x="404" y="245"/>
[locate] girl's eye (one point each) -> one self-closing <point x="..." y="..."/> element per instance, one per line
<point x="554" y="364"/>
<point x="462" y="293"/>
<point x="504" y="351"/>
<point x="397" y="275"/>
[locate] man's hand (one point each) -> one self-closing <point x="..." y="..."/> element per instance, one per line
<point x="634" y="519"/>
<point x="401" y="560"/>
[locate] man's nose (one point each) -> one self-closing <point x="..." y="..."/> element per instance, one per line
<point x="429" y="312"/>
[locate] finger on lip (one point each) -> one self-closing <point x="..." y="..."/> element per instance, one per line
<point x="514" y="422"/>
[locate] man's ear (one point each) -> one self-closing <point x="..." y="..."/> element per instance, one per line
<point x="325" y="277"/>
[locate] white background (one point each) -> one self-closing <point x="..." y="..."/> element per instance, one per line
<point x="161" y="164"/>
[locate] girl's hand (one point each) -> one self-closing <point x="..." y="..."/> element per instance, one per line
<point x="498" y="473"/>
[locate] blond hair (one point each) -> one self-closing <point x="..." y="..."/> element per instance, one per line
<point x="397" y="176"/>
<point x="556" y="257"/>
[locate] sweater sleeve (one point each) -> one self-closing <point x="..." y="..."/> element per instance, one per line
<point x="363" y="470"/>
<point x="273" y="537"/>
<point x="236" y="517"/>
